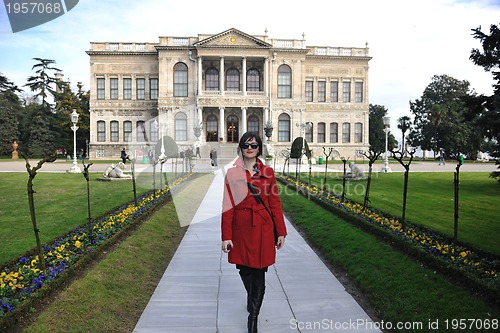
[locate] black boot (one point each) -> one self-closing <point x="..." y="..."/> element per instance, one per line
<point x="257" y="296"/>
<point x="247" y="282"/>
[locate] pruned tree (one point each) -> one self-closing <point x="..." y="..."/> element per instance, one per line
<point x="372" y="157"/>
<point x="398" y="155"/>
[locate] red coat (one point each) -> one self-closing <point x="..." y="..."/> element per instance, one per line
<point x="247" y="223"/>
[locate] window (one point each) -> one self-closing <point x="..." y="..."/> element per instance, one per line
<point x="284" y="82"/>
<point x="115" y="128"/>
<point x="127" y="88"/>
<point x="284" y="128"/>
<point x="253" y="80"/>
<point x="358" y="132"/>
<point x="101" y="130"/>
<point x="321" y="132"/>
<point x="347" y="92"/>
<point x="358" y="93"/>
<point x="141" y="88"/>
<point x="113" y="88"/>
<point x="127" y="131"/>
<point x="212" y="128"/>
<point x="334" y="132"/>
<point x="101" y="88"/>
<point x="141" y="131"/>
<point x="153" y="131"/>
<point x="309" y="91"/>
<point x="309" y="133"/>
<point x="180" y="126"/>
<point x="321" y="91"/>
<point x="232" y="79"/>
<point x="346" y="133"/>
<point x="212" y="79"/>
<point x="253" y="124"/>
<point x="180" y="80"/>
<point x="334" y="91"/>
<point x="153" y="88"/>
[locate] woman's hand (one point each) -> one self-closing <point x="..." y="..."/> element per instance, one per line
<point x="227" y="245"/>
<point x="281" y="242"/>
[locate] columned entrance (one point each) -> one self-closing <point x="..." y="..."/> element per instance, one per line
<point x="232" y="128"/>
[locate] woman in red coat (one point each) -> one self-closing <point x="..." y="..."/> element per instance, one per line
<point x="248" y="230"/>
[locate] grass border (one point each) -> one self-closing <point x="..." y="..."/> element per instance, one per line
<point x="458" y="276"/>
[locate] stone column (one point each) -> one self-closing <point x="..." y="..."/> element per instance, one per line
<point x="265" y="119"/>
<point x="243" y="120"/>
<point x="244" y="75"/>
<point x="266" y="76"/>
<point x="200" y="76"/>
<point x="221" y="76"/>
<point x="222" y="129"/>
<point x="200" y="121"/>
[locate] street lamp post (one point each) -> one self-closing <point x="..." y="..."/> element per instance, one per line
<point x="74" y="120"/>
<point x="387" y="123"/>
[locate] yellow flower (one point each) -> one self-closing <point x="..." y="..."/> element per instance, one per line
<point x="78" y="244"/>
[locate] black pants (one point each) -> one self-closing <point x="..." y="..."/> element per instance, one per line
<point x="258" y="274"/>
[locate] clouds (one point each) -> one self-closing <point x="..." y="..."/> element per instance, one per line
<point x="410" y="41"/>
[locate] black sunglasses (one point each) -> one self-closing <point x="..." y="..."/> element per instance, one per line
<point x="247" y="145"/>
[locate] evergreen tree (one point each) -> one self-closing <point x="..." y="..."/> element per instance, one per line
<point x="43" y="82"/>
<point x="41" y="138"/>
<point x="376" y="130"/>
<point x="10" y="108"/>
<point x="485" y="110"/>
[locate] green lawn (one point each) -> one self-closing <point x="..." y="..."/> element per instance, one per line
<point x="430" y="202"/>
<point x="398" y="288"/>
<point x="60" y="205"/>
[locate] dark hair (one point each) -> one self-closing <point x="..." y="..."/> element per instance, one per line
<point x="248" y="136"/>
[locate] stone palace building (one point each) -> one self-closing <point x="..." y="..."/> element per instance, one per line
<point x="210" y="89"/>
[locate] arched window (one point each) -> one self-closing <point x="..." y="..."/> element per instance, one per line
<point x="284" y="82"/>
<point x="180" y="80"/>
<point x="101" y="131"/>
<point x="253" y="79"/>
<point x="212" y="79"/>
<point x="346" y="132"/>
<point x="153" y="131"/>
<point x="233" y="79"/>
<point x="253" y="124"/>
<point x="127" y="131"/>
<point x="140" y="131"/>
<point x="321" y="133"/>
<point x="284" y="128"/>
<point x="114" y="130"/>
<point x="334" y="132"/>
<point x="309" y="133"/>
<point x="180" y="127"/>
<point x="358" y="132"/>
<point x="212" y="128"/>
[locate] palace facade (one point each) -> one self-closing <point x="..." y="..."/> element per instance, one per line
<point x="210" y="89"/>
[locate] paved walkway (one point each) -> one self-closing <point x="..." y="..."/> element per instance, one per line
<point x="201" y="292"/>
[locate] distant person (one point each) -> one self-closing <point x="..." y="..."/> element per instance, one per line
<point x="213" y="157"/>
<point x="124" y="156"/>
<point x="442" y="157"/>
<point x="198" y="151"/>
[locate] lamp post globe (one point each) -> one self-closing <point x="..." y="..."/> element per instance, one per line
<point x="74" y="119"/>
<point x="387" y="124"/>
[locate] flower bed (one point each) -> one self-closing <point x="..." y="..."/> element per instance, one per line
<point x="477" y="270"/>
<point x="22" y="281"/>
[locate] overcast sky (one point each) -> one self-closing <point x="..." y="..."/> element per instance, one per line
<point x="410" y="41"/>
